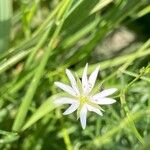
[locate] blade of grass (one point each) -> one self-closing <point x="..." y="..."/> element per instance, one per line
<point x="100" y="5"/>
<point x="116" y="61"/>
<point x="130" y="118"/>
<point x="71" y="40"/>
<point x="66" y="139"/>
<point x="135" y="75"/>
<point x="143" y="12"/>
<point x="44" y="26"/>
<point x="37" y="47"/>
<point x="21" y="55"/>
<point x="5" y="23"/>
<point x="23" y="109"/>
<point x="44" y="109"/>
<point x="6" y="64"/>
<point x="104" y="139"/>
<point x="126" y="109"/>
<point x="8" y="137"/>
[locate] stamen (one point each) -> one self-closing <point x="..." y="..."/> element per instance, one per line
<point x="83" y="99"/>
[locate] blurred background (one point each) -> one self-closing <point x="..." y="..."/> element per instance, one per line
<point x="39" y="39"/>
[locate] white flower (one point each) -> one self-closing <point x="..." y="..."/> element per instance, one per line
<point x="81" y="98"/>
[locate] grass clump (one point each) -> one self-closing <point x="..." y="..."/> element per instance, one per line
<point x="45" y="38"/>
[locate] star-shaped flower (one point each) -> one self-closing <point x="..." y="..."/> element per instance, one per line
<point x="81" y="97"/>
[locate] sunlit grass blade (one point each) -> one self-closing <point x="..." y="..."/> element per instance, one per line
<point x="45" y="108"/>
<point x="6" y="64"/>
<point x="23" y="109"/>
<point x="36" y="48"/>
<point x="5" y="23"/>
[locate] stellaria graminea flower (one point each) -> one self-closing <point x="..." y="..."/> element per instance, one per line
<point x="81" y="97"/>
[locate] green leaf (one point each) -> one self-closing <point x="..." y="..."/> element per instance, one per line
<point x="5" y="23"/>
<point x="23" y="109"/>
<point x="44" y="109"/>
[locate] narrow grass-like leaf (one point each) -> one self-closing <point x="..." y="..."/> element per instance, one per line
<point x="101" y="5"/>
<point x="116" y="61"/>
<point x="23" y="109"/>
<point x="45" y="108"/>
<point x="67" y="139"/>
<point x="104" y="139"/>
<point x="39" y="45"/>
<point x="6" y="64"/>
<point x="78" y="35"/>
<point x="8" y="137"/>
<point x="143" y="12"/>
<point x="5" y="23"/>
<point x="130" y="118"/>
<point x="135" y="75"/>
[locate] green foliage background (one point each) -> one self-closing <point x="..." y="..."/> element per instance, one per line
<point x="39" y="40"/>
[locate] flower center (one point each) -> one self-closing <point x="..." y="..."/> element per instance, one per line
<point x="83" y="99"/>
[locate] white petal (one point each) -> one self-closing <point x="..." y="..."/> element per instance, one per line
<point x="105" y="93"/>
<point x="93" y="78"/>
<point x="71" y="109"/>
<point x="72" y="81"/>
<point x="64" y="100"/>
<point x="96" y="110"/>
<point x="104" y="101"/>
<point x="83" y="114"/>
<point x="85" y="85"/>
<point x="66" y="88"/>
